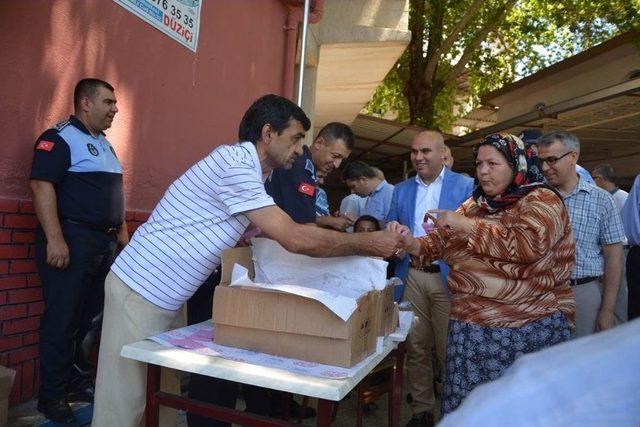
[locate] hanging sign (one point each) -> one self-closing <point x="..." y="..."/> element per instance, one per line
<point x="179" y="19"/>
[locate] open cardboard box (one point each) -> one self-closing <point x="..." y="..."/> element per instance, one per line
<point x="289" y="325"/>
<point x="387" y="318"/>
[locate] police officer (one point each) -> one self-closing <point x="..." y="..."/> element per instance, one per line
<point x="76" y="180"/>
<point x="295" y="190"/>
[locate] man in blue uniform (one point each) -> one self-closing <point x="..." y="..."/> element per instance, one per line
<point x="294" y="190"/>
<point x="76" y="180"/>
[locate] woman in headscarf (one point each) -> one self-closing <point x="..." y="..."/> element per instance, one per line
<point x="511" y="254"/>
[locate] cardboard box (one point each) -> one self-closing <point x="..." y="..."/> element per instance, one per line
<point x="385" y="311"/>
<point x="289" y="325"/>
<point x="6" y="382"/>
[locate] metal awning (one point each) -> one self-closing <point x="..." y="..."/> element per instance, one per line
<point x="606" y="121"/>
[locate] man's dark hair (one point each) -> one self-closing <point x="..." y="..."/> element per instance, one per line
<point x="88" y="88"/>
<point x="606" y="172"/>
<point x="356" y="170"/>
<point x="337" y="130"/>
<point x="366" y="218"/>
<point x="270" y="109"/>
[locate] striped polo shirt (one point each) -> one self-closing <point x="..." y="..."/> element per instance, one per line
<point x="199" y="216"/>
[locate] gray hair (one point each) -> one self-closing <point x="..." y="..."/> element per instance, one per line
<point x="606" y="172"/>
<point x="567" y="139"/>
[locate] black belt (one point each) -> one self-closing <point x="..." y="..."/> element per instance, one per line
<point x="107" y="229"/>
<point x="583" y="280"/>
<point x="429" y="268"/>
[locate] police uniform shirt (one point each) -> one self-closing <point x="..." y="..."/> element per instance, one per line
<point x="294" y="190"/>
<point x="85" y="172"/>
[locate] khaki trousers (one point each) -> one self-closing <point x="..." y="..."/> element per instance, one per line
<point x="121" y="383"/>
<point x="427" y="340"/>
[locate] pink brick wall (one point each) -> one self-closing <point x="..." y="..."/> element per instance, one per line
<point x="21" y="303"/>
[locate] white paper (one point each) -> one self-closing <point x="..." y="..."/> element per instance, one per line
<point x="274" y="264"/>
<point x="406" y="323"/>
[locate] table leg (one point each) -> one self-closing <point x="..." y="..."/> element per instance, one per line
<point x="325" y="412"/>
<point x="152" y="408"/>
<point x="396" y="394"/>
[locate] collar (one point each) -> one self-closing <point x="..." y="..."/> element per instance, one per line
<point x="440" y="177"/>
<point x="309" y="163"/>
<point x="582" y="185"/>
<point x="379" y="187"/>
<point x="253" y="151"/>
<point x="614" y="191"/>
<point x="78" y="124"/>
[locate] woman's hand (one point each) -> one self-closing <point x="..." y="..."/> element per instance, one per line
<point x="411" y="245"/>
<point x="450" y="220"/>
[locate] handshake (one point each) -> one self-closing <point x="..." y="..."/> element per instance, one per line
<point x="398" y="239"/>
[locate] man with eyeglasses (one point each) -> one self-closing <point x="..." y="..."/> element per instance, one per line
<point x="531" y="137"/>
<point x="597" y="231"/>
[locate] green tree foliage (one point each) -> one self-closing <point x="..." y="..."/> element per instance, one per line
<point x="461" y="49"/>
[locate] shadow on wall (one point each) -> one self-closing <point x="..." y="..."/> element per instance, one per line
<point x="54" y="44"/>
<point x="175" y="106"/>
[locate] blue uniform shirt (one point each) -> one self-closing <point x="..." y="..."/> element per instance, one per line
<point x="85" y="172"/>
<point x="294" y="190"/>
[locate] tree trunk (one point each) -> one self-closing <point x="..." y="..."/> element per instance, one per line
<point x="421" y="100"/>
<point x="421" y="88"/>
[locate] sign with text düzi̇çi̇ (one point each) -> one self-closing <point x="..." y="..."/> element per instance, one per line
<point x="179" y="19"/>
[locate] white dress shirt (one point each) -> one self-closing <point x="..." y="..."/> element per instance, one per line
<point x="427" y="198"/>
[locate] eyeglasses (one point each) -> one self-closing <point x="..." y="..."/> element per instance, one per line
<point x="552" y="160"/>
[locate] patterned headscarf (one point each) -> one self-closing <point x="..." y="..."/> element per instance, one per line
<point x="526" y="173"/>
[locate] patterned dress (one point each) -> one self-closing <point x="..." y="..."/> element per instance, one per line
<point x="510" y="289"/>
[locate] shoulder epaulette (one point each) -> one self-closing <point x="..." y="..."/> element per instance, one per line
<point x="61" y="125"/>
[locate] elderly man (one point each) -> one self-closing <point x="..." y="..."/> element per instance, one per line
<point x="604" y="177"/>
<point x="433" y="187"/>
<point x="76" y="180"/>
<point x="295" y="190"/>
<point x="597" y="231"/>
<point x="631" y="222"/>
<point x="204" y="212"/>
<point x="363" y="180"/>
<point x="447" y="157"/>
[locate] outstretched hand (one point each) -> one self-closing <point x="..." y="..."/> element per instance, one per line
<point x="450" y="220"/>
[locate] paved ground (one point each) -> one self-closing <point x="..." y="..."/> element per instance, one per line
<point x="27" y="415"/>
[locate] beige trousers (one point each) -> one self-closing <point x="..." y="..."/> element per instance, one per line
<point x="427" y="340"/>
<point x="121" y="383"/>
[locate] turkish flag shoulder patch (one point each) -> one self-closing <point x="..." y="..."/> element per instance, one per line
<point x="45" y="145"/>
<point x="306" y="188"/>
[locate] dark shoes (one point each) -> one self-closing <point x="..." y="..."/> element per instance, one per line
<point x="82" y="392"/>
<point x="57" y="410"/>
<point x="423" y="419"/>
<point x="295" y="409"/>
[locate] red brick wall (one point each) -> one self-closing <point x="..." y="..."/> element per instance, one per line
<point x="21" y="303"/>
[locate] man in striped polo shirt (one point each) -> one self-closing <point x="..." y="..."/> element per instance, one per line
<point x="204" y="212"/>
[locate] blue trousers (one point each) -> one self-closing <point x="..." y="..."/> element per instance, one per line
<point x="73" y="297"/>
